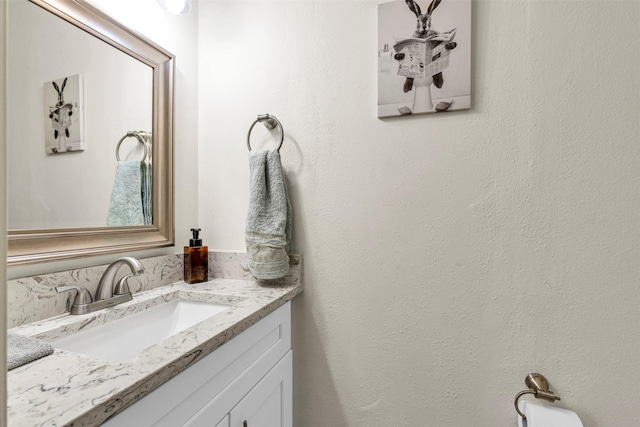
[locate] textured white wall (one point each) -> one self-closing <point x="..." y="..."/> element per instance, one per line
<point x="446" y="256"/>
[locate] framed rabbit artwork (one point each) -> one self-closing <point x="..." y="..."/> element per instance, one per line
<point x="424" y="56"/>
<point x="63" y="115"/>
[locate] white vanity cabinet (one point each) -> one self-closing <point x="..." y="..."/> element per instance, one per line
<point x="247" y="382"/>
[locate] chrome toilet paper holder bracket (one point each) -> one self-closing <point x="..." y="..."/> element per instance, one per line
<point x="539" y="387"/>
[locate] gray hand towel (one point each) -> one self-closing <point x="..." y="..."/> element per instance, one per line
<point x="268" y="230"/>
<point x="22" y="350"/>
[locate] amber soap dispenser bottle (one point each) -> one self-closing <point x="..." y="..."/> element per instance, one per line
<point x="196" y="260"/>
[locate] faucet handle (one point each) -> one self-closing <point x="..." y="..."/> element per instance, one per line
<point x="122" y="287"/>
<point x="82" y="297"/>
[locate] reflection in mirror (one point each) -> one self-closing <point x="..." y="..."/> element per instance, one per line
<point x="69" y="189"/>
<point x="90" y="134"/>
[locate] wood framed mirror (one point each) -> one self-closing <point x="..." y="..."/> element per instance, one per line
<point x="43" y="239"/>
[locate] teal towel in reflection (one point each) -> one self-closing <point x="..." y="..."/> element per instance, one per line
<point x="126" y="197"/>
<point x="147" y="205"/>
<point x="268" y="230"/>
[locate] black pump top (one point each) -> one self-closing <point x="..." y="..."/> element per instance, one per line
<point x="195" y="241"/>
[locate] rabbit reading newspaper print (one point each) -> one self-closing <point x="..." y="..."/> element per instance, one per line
<point x="417" y="60"/>
<point x="60" y="114"/>
<point x="65" y="132"/>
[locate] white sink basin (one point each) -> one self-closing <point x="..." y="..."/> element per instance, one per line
<point x="121" y="339"/>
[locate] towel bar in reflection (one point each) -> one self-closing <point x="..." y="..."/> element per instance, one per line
<point x="143" y="137"/>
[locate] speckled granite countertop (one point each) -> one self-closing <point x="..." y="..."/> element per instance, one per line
<point x="69" y="389"/>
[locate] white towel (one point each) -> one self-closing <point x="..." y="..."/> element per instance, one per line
<point x="539" y="415"/>
<point x="126" y="197"/>
<point x="268" y="230"/>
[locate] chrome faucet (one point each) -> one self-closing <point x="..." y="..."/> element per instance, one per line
<point x="109" y="293"/>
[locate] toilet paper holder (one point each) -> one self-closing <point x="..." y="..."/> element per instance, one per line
<point x="539" y="387"/>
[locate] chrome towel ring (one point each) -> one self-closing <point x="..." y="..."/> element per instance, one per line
<point x="142" y="137"/>
<point x="270" y="122"/>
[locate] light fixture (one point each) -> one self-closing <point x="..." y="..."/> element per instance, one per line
<point x="179" y="7"/>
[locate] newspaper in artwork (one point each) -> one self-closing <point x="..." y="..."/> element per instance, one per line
<point x="423" y="58"/>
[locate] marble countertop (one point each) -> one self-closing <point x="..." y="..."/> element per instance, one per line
<point x="69" y="389"/>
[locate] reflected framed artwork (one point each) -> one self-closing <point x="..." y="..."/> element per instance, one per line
<point x="63" y="111"/>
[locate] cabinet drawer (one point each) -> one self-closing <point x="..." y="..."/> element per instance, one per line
<point x="176" y="401"/>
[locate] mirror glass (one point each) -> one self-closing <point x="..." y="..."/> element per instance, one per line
<point x="61" y="170"/>
<point x="89" y="134"/>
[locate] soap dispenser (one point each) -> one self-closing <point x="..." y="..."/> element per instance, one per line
<point x="196" y="260"/>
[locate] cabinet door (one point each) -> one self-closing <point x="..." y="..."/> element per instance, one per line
<point x="224" y="422"/>
<point x="269" y="403"/>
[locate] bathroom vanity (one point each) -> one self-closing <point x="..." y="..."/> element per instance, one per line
<point x="231" y="369"/>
